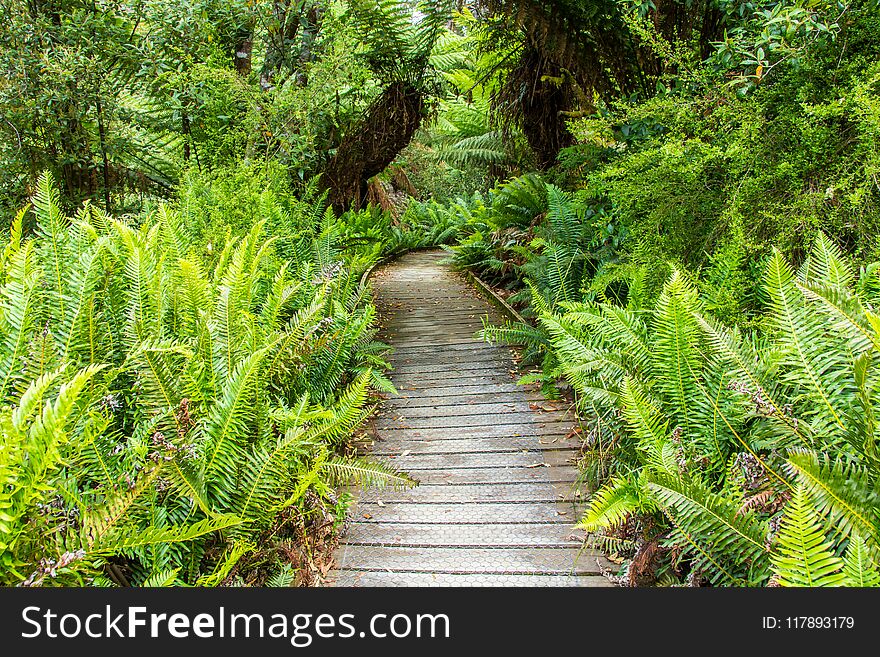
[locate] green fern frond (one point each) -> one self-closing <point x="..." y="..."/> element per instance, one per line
<point x="116" y="543"/>
<point x="826" y="264"/>
<point x="859" y="569"/>
<point x="727" y="545"/>
<point x="677" y="357"/>
<point x="225" y="565"/>
<point x="52" y="230"/>
<point x="161" y="579"/>
<point x="365" y="473"/>
<point x="812" y="359"/>
<point x="843" y="491"/>
<point x="226" y="427"/>
<point x="803" y="556"/>
<point x="19" y="300"/>
<point x="611" y="505"/>
<point x="283" y="578"/>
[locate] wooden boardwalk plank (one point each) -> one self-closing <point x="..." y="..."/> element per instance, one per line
<point x="513" y="561"/>
<point x="361" y="578"/>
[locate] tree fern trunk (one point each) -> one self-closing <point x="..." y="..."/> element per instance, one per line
<point x="387" y="127"/>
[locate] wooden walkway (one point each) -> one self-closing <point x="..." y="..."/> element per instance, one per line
<point x="497" y="498"/>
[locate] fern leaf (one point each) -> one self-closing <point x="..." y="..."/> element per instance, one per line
<point x="803" y="556"/>
<point x="843" y="491"/>
<point x="115" y="543"/>
<point x="365" y="473"/>
<point x="732" y="546"/>
<point x="858" y="568"/>
<point x="611" y="505"/>
<point x="161" y="579"/>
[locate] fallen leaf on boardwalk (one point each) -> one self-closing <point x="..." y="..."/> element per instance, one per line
<point x="538" y="465"/>
<point x="574" y="432"/>
<point x="562" y="513"/>
<point x="368" y="515"/>
<point x="405" y="452"/>
<point x="380" y="502"/>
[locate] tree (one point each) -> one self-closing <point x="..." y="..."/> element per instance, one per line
<point x="65" y="64"/>
<point x="398" y="44"/>
<point x="560" y="54"/>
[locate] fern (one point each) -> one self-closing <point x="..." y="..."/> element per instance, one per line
<point x="365" y="473"/>
<point x="162" y="579"/>
<point x="843" y="491"/>
<point x="731" y="548"/>
<point x="20" y="298"/>
<point x="611" y="505"/>
<point x="806" y="351"/>
<point x="51" y="227"/>
<point x="804" y="556"/>
<point x="190" y="370"/>
<point x="859" y="569"/>
<point x="283" y="578"/>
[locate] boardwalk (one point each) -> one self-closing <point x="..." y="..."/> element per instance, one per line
<point x="497" y="499"/>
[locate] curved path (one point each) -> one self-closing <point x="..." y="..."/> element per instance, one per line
<point x="497" y="497"/>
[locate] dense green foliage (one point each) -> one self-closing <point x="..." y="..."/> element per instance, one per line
<point x="697" y="271"/>
<point x="716" y="431"/>
<point x="169" y="404"/>
<point x="680" y="199"/>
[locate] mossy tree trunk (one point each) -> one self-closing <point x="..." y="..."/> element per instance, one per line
<point x="386" y="128"/>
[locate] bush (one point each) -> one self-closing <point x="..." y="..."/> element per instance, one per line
<point x="165" y="413"/>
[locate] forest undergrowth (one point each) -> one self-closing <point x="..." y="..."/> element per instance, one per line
<point x="680" y="199"/>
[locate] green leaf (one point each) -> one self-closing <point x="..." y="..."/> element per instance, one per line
<point x="803" y="555"/>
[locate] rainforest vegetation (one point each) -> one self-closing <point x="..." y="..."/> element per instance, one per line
<point x="680" y="198"/>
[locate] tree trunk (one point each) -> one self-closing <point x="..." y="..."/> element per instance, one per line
<point x="538" y="102"/>
<point x="242" y="53"/>
<point x="281" y="34"/>
<point x="385" y="129"/>
<point x="105" y="162"/>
